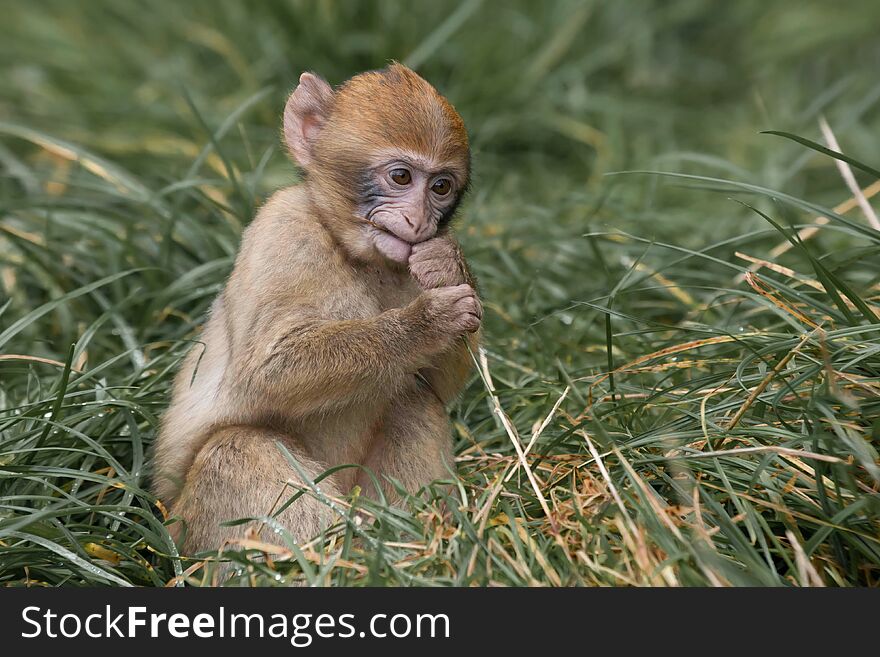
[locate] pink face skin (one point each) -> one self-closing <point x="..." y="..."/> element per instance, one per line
<point x="405" y="201"/>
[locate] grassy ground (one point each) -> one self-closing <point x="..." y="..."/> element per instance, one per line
<point x="677" y="387"/>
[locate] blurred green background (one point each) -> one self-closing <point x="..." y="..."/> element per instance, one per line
<point x="555" y="95"/>
<point x="136" y="139"/>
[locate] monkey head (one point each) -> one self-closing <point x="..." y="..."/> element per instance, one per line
<point x="386" y="158"/>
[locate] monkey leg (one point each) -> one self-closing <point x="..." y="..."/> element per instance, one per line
<point x="241" y="473"/>
<point x="413" y="446"/>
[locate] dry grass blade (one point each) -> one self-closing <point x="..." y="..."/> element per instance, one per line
<point x="807" y="573"/>
<point x="763" y="449"/>
<point x="483" y="365"/>
<point x="759" y="286"/>
<point x="779" y="269"/>
<point x="539" y="430"/>
<point x="847" y="175"/>
<point x="772" y="374"/>
<point x="37" y="359"/>
<point x="807" y="233"/>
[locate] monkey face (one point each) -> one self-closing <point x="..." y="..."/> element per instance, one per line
<point x="405" y="199"/>
<point x="386" y="157"/>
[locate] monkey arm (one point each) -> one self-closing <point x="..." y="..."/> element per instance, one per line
<point x="448" y="371"/>
<point x="319" y="363"/>
<point x="315" y="363"/>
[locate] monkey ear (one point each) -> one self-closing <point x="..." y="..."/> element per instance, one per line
<point x="304" y="115"/>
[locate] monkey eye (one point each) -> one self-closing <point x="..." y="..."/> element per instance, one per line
<point x="441" y="186"/>
<point x="401" y="176"/>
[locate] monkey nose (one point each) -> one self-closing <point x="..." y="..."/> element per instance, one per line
<point x="409" y="221"/>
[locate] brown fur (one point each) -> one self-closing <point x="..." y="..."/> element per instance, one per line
<point x="317" y="342"/>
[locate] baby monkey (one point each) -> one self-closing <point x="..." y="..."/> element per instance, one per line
<point x="339" y="332"/>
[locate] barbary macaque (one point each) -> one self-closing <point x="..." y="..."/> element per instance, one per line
<point x="343" y="330"/>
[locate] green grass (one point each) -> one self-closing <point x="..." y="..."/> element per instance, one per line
<point x="687" y="424"/>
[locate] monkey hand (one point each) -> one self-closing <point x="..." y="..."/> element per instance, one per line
<point x="453" y="310"/>
<point x="436" y="263"/>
